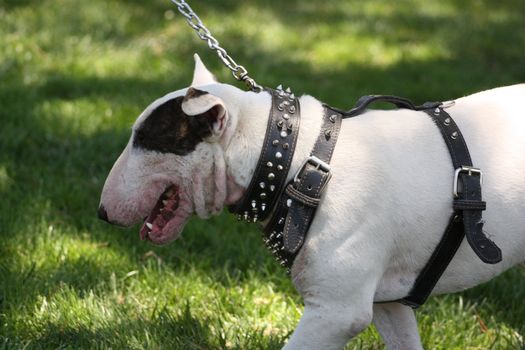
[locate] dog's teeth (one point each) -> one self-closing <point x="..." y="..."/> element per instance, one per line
<point x="165" y="202"/>
<point x="149" y="225"/>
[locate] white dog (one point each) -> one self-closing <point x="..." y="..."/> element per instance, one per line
<point x="381" y="217"/>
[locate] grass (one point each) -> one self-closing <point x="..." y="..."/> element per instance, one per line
<point x="73" y="77"/>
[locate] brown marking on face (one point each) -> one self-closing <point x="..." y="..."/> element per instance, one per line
<point x="193" y="93"/>
<point x="169" y="130"/>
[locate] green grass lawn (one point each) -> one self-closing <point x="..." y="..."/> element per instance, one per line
<point x="75" y="74"/>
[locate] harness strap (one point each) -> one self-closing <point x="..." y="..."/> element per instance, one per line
<point x="310" y="183"/>
<point x="468" y="201"/>
<point x="286" y="231"/>
<point x="466" y="219"/>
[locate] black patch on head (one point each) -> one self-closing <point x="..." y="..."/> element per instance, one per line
<point x="169" y="130"/>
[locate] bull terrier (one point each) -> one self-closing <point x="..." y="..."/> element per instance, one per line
<point x="195" y="150"/>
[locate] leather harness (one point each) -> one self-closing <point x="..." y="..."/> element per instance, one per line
<point x="287" y="209"/>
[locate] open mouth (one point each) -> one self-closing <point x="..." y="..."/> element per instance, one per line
<point x="167" y="218"/>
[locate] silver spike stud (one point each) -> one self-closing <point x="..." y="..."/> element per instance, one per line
<point x="263" y="195"/>
<point x="269" y="164"/>
<point x="286" y="116"/>
<point x="454" y="135"/>
<point x="246" y="216"/>
<point x="332" y="118"/>
<point x="289" y="202"/>
<point x="271" y="176"/>
<point x="262" y="185"/>
<point x="255" y="218"/>
<point x="263" y="206"/>
<point x="279" y="87"/>
<point x="275" y="142"/>
<point x="292" y="96"/>
<point x="272" y="188"/>
<point x="286" y="145"/>
<point x="437" y="111"/>
<point x="328" y="133"/>
<point x="281" y="220"/>
<point x="254" y="204"/>
<point x="291" y="109"/>
<point x="278" y="155"/>
<point x="447" y="121"/>
<point x="279" y="167"/>
<point x="288" y="90"/>
<point x="284" y="134"/>
<point x="239" y="217"/>
<point x="280" y="123"/>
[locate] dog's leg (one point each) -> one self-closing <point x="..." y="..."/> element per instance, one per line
<point x="328" y="328"/>
<point x="397" y="326"/>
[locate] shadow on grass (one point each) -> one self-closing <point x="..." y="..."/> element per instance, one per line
<point x="502" y="299"/>
<point x="163" y="330"/>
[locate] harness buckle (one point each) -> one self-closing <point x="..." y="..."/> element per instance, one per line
<point x="466" y="169"/>
<point x="318" y="164"/>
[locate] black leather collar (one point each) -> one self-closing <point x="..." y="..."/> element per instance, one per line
<point x="276" y="157"/>
<point x="293" y="207"/>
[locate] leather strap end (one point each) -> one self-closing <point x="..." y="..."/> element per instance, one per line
<point x="473" y="223"/>
<point x="296" y="225"/>
<point x="484" y="248"/>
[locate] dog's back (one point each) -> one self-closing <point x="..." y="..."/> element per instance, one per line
<point x="392" y="192"/>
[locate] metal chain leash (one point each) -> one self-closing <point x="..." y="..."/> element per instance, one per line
<point x="239" y="72"/>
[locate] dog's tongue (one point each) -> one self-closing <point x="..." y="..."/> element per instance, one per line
<point x="162" y="213"/>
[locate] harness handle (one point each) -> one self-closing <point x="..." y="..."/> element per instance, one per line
<point x="400" y="102"/>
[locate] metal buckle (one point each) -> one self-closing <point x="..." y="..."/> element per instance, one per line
<point x="318" y="163"/>
<point x="466" y="169"/>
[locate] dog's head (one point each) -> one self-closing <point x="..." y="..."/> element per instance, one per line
<point x="173" y="164"/>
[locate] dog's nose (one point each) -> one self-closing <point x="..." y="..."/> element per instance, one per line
<point x="102" y="214"/>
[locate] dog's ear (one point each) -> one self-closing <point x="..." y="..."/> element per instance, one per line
<point x="201" y="74"/>
<point x="205" y="106"/>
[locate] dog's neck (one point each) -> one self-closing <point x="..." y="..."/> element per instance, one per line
<point x="243" y="141"/>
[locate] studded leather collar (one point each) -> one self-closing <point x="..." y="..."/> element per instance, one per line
<point x="292" y="208"/>
<point x="276" y="157"/>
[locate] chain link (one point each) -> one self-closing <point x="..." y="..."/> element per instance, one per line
<point x="239" y="72"/>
